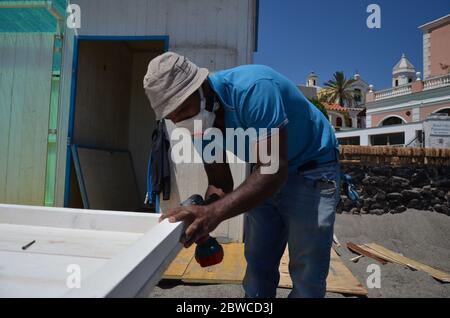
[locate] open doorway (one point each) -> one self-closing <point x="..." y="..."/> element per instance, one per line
<point x="111" y="122"/>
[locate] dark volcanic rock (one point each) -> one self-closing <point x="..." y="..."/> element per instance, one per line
<point x="395" y="196"/>
<point x="387" y="189"/>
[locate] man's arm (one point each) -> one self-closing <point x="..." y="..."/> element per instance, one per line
<point x="201" y="220"/>
<point x="257" y="187"/>
<point x="219" y="176"/>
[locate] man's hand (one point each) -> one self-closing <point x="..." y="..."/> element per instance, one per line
<point x="199" y="222"/>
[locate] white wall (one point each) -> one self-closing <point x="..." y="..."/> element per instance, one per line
<point x="364" y="134"/>
<point x="213" y="33"/>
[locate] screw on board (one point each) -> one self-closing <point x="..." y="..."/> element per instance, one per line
<point x="28" y="245"/>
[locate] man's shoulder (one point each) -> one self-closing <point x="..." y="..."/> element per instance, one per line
<point x="246" y="76"/>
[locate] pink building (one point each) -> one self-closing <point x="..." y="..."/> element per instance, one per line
<point x="415" y="112"/>
<point x="412" y="99"/>
<point x="436" y="47"/>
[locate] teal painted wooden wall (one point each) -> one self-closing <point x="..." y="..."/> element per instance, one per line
<point x="25" y="86"/>
<point x="63" y="115"/>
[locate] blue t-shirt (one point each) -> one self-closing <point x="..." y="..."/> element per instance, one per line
<point x="259" y="97"/>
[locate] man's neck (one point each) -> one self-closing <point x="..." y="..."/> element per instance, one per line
<point x="211" y="98"/>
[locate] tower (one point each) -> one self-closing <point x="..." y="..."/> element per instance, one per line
<point x="312" y="80"/>
<point x="403" y="73"/>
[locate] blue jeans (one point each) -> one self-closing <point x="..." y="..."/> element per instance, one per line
<point x="301" y="214"/>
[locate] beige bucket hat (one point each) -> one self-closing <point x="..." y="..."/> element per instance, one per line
<point x="170" y="80"/>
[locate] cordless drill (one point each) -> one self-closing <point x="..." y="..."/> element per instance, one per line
<point x="208" y="251"/>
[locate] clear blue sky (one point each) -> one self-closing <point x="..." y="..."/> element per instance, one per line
<point x="299" y="36"/>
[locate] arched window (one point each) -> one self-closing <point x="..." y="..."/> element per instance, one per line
<point x="357" y="95"/>
<point x="444" y="111"/>
<point x="392" y="121"/>
<point x="349" y="122"/>
<point x="396" y="83"/>
<point x="338" y="122"/>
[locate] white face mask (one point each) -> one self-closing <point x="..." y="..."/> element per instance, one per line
<point x="206" y="118"/>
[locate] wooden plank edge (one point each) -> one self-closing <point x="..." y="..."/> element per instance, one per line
<point x="359" y="250"/>
<point x="437" y="274"/>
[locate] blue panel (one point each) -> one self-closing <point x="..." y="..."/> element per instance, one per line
<point x="30" y="20"/>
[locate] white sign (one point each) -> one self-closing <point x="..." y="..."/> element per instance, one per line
<point x="440" y="128"/>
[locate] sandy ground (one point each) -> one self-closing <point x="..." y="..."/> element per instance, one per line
<point x="422" y="236"/>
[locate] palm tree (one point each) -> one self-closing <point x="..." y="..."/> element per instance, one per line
<point x="338" y="89"/>
<point x="320" y="106"/>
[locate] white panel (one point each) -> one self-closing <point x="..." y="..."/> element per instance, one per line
<point x="213" y="33"/>
<point x="40" y="275"/>
<point x="111" y="264"/>
<point x="70" y="242"/>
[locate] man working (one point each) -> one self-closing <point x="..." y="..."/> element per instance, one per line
<point x="294" y="205"/>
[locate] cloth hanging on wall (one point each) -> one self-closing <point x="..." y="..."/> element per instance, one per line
<point x="158" y="177"/>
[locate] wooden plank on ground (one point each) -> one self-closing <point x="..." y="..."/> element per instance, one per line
<point x="230" y="271"/>
<point x="357" y="249"/>
<point x="340" y="279"/>
<point x="179" y="265"/>
<point x="391" y="256"/>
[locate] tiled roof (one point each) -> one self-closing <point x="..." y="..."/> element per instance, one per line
<point x="339" y="108"/>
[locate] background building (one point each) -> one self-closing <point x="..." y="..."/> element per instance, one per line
<point x="395" y="116"/>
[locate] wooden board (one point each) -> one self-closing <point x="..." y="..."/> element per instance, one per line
<point x="59" y="241"/>
<point x="106" y="179"/>
<point x="179" y="265"/>
<point x="358" y="250"/>
<point x="25" y="88"/>
<point x="232" y="271"/>
<point x="130" y="222"/>
<point x="41" y="275"/>
<point x="391" y="256"/>
<point x="339" y="280"/>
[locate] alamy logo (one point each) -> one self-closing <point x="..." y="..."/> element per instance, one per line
<point x="374" y="279"/>
<point x="374" y="19"/>
<point x="209" y="145"/>
<point x="74" y="17"/>
<point x="74" y="278"/>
